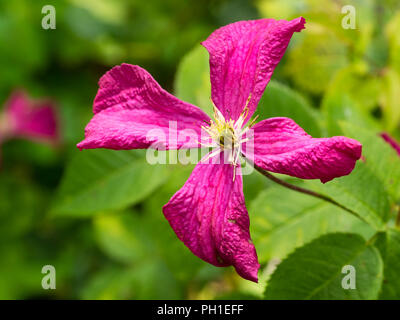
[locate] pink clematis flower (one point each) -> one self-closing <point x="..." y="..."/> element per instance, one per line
<point x="24" y="118"/>
<point x="209" y="213"/>
<point x="391" y="141"/>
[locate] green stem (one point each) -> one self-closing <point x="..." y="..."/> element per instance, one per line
<point x="301" y="190"/>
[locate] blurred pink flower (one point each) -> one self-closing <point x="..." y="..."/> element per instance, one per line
<point x="391" y="141"/>
<point x="29" y="119"/>
<point x="209" y="213"/>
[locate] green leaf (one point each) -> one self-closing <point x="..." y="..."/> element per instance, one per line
<point x="315" y="270"/>
<point x="100" y="180"/>
<point x="313" y="62"/>
<point x="131" y="237"/>
<point x="391" y="31"/>
<point x="20" y="205"/>
<point x="20" y="265"/>
<point x="388" y="244"/>
<point x="122" y="237"/>
<point x="350" y="96"/>
<point x="192" y="82"/>
<point x="150" y="280"/>
<point x="253" y="184"/>
<point x="362" y="192"/>
<point x="340" y="106"/>
<point x="390" y="99"/>
<point x="281" y="101"/>
<point x="109" y="283"/>
<point x="374" y="185"/>
<point x="278" y="227"/>
<point x="380" y="158"/>
<point x="276" y="9"/>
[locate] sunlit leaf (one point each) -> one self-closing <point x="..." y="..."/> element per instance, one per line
<point x="391" y="30"/>
<point x="390" y="99"/>
<point x="354" y="81"/>
<point x="123" y="237"/>
<point x="313" y="62"/>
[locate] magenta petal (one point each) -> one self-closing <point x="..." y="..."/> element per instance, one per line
<point x="31" y="119"/>
<point x="395" y="145"/>
<point x="243" y="56"/>
<point x="282" y="146"/>
<point x="133" y="111"/>
<point x="209" y="215"/>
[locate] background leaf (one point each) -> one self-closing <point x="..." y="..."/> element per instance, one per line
<point x="390" y="99"/>
<point x="282" y="220"/>
<point x="362" y="192"/>
<point x="150" y="281"/>
<point x="321" y="263"/>
<point x="281" y="101"/>
<point x="337" y="107"/>
<point x="388" y="244"/>
<point x="99" y="180"/>
<point x="192" y="80"/>
<point x="351" y="96"/>
<point x="373" y="187"/>
<point x="316" y="70"/>
<point x="380" y="158"/>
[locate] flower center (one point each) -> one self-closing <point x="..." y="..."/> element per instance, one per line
<point x="227" y="135"/>
<point x="227" y="138"/>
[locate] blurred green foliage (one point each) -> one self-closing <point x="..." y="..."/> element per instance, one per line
<point x="96" y="215"/>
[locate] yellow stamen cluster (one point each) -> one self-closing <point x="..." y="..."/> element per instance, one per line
<point x="224" y="133"/>
<point x="228" y="135"/>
